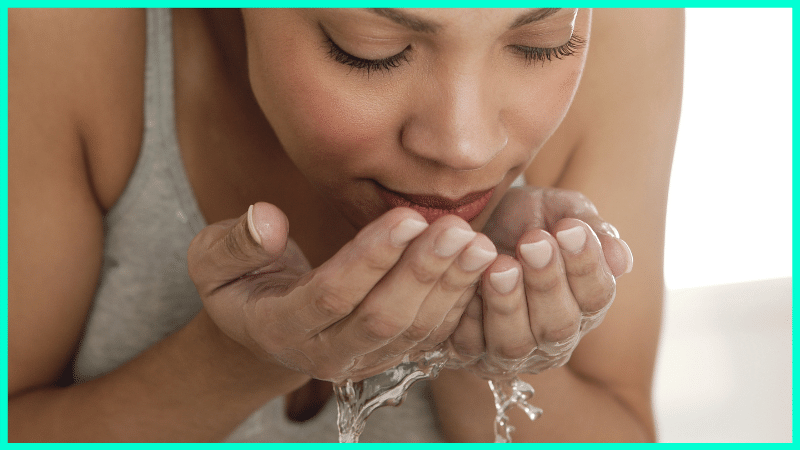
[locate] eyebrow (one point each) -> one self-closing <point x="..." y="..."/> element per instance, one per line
<point x="534" y="16"/>
<point x="425" y="26"/>
<point x="407" y="20"/>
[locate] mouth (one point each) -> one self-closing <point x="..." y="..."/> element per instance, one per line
<point x="433" y="207"/>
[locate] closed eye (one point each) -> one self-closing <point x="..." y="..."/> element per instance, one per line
<point x="544" y="54"/>
<point x="367" y="65"/>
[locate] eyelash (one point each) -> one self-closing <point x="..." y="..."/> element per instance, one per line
<point x="368" y="65"/>
<point x="531" y="55"/>
<point x="538" y="54"/>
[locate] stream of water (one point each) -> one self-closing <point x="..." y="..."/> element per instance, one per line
<point x="357" y="400"/>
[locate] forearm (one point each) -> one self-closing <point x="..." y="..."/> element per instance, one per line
<point x="575" y="410"/>
<point x="195" y="385"/>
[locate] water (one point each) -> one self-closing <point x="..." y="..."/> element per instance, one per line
<point x="507" y="394"/>
<point x="357" y="400"/>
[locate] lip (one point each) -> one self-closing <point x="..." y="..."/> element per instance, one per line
<point x="433" y="207"/>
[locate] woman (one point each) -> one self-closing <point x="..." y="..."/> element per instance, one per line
<point x="388" y="140"/>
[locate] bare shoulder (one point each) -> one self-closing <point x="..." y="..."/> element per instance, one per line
<point x="633" y="76"/>
<point x="74" y="103"/>
<point x="83" y="69"/>
<point x="632" y="52"/>
<point x="619" y="138"/>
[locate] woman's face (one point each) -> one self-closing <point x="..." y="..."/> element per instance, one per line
<point x="435" y="109"/>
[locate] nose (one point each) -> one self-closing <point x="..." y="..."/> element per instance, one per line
<point x="456" y="121"/>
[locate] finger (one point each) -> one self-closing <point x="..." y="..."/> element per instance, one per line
<point x="391" y="308"/>
<point x="341" y="283"/>
<point x="518" y="210"/>
<point x="290" y="324"/>
<point x="554" y="313"/>
<point x="617" y="254"/>
<point x="225" y="251"/>
<point x="506" y="323"/>
<point x="573" y="204"/>
<point x="562" y="203"/>
<point x="451" y="320"/>
<point x="467" y="339"/>
<point x="472" y="261"/>
<point x="590" y="279"/>
<point x="439" y="313"/>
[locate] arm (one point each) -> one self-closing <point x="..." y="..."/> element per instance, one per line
<point x="621" y="129"/>
<point x="69" y="106"/>
<point x="269" y="320"/>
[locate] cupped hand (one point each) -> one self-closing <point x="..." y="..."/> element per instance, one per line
<point x="397" y="289"/>
<point x="553" y="283"/>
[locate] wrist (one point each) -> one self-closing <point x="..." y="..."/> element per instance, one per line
<point x="248" y="370"/>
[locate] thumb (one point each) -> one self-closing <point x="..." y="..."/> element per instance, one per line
<point x="224" y="251"/>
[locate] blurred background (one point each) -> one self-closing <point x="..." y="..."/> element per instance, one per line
<point x="724" y="370"/>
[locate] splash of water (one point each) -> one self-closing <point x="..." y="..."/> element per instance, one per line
<point x="507" y="394"/>
<point x="357" y="400"/>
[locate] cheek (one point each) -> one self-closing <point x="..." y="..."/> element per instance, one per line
<point x="318" y="120"/>
<point x="546" y="102"/>
<point x="542" y="106"/>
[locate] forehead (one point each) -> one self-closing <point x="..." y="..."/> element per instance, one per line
<point x="434" y="20"/>
<point x="431" y="20"/>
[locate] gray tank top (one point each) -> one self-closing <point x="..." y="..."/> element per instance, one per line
<point x="144" y="292"/>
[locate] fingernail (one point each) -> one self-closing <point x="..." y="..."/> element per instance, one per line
<point x="537" y="254"/>
<point x="504" y="282"/>
<point x="475" y="257"/>
<point x="572" y="239"/>
<point x="630" y="255"/>
<point x="405" y="231"/>
<point x="452" y="240"/>
<point x="252" y="226"/>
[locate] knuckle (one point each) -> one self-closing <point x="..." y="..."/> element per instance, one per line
<point x="438" y="335"/>
<point x="506" y="306"/>
<point x="382" y="327"/>
<point x="450" y="283"/>
<point x="544" y="283"/>
<point x="235" y="245"/>
<point x="515" y="350"/>
<point x="561" y="331"/>
<point x="583" y="269"/>
<point x="417" y="332"/>
<point x="474" y="310"/>
<point x="422" y="273"/>
<point x="376" y="259"/>
<point x="450" y="322"/>
<point x="598" y="298"/>
<point x="331" y="301"/>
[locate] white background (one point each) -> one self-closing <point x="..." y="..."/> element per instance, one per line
<point x="725" y="360"/>
<point x="729" y="216"/>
